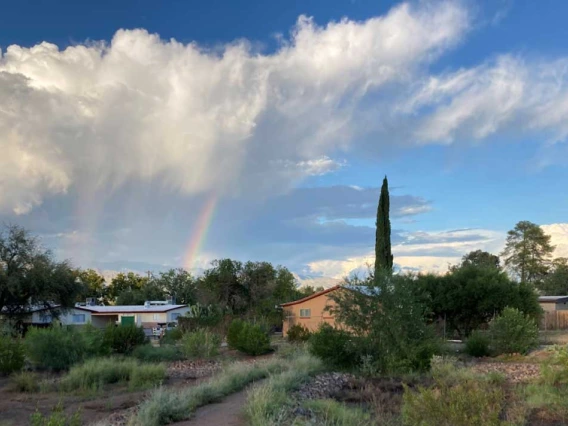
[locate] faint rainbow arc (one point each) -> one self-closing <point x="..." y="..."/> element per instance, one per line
<point x="200" y="230"/>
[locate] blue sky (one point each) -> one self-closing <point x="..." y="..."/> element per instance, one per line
<point x="120" y="120"/>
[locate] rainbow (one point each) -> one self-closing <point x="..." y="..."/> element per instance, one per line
<point x="200" y="231"/>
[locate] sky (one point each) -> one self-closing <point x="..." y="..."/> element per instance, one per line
<point x="144" y="135"/>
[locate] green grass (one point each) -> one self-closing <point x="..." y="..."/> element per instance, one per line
<point x="149" y="353"/>
<point x="333" y="413"/>
<point x="94" y="374"/>
<point x="267" y="404"/>
<point x="25" y="382"/>
<point x="168" y="406"/>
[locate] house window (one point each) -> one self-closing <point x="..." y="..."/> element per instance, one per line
<point x="45" y="318"/>
<point x="175" y="316"/>
<point x="156" y="317"/>
<point x="78" y="318"/>
<point x="305" y="313"/>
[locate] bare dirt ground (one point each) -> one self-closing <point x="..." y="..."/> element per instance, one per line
<point x="16" y="407"/>
<point x="225" y="413"/>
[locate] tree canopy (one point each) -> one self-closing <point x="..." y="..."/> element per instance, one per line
<point x="556" y="281"/>
<point x="527" y="252"/>
<point x="31" y="277"/>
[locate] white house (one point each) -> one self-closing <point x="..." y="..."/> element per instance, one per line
<point x="149" y="315"/>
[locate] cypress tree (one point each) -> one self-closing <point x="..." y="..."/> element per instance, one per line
<point x="383" y="254"/>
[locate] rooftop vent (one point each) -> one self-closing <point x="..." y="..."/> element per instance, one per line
<point x="146" y="304"/>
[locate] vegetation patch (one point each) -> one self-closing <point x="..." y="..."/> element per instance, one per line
<point x="94" y="374"/>
<point x="168" y="406"/>
<point x="200" y="344"/>
<point x="11" y="355"/>
<point x="166" y="353"/>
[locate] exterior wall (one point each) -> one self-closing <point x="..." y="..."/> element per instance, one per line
<point x="101" y="321"/>
<point x="551" y="307"/>
<point x="65" y="318"/>
<point x="318" y="314"/>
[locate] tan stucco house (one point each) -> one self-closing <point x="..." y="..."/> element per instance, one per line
<point x="311" y="311"/>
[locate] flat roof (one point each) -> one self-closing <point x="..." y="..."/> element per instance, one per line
<point x="136" y="309"/>
<point x="552" y="299"/>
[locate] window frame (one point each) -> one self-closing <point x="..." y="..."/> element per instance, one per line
<point x="309" y="313"/>
<point x="84" y="318"/>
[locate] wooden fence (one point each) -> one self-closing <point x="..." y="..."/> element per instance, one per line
<point x="554" y="320"/>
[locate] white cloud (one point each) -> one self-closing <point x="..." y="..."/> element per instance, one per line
<point x="507" y="95"/>
<point x="141" y="108"/>
<point x="558" y="237"/>
<point x="420" y="251"/>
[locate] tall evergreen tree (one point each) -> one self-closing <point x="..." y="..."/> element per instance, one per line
<point x="383" y="254"/>
<point x="527" y="252"/>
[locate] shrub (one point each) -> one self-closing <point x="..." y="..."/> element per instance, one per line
<point x="94" y="341"/>
<point x="55" y="348"/>
<point x="56" y="418"/>
<point x="466" y="403"/>
<point x="298" y="333"/>
<point x="333" y="346"/>
<point x="11" y="355"/>
<point x="253" y="340"/>
<point x="233" y="333"/>
<point x="477" y="344"/>
<point x="95" y="373"/>
<point x="513" y="332"/>
<point x="25" y="382"/>
<point x="201" y="344"/>
<point x="149" y="353"/>
<point x="123" y="339"/>
<point x="171" y="337"/>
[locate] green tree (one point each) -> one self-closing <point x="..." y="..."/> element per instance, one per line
<point x="387" y="320"/>
<point x="383" y="254"/>
<point x="94" y="285"/>
<point x="125" y="282"/>
<point x="221" y="284"/>
<point x="180" y="284"/>
<point x="556" y="281"/>
<point x="30" y="276"/>
<point x="482" y="259"/>
<point x="527" y="252"/>
<point x="471" y="296"/>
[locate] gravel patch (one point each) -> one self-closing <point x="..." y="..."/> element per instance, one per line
<point x="514" y="372"/>
<point x="324" y="386"/>
<point x="192" y="369"/>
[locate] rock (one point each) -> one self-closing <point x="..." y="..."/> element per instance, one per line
<point x="324" y="386"/>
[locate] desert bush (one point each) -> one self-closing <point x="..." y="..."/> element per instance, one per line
<point x="513" y="332"/>
<point x="333" y="346"/>
<point x="95" y="373"/>
<point x="11" y="355"/>
<point x="123" y="339"/>
<point x="25" y="381"/>
<point x="200" y="344"/>
<point x="477" y="344"/>
<point x="149" y="353"/>
<point x="94" y="341"/>
<point x="55" y="348"/>
<point x="57" y="417"/>
<point x="298" y="333"/>
<point x="233" y="333"/>
<point x="466" y="403"/>
<point x="254" y="340"/>
<point x="171" y="337"/>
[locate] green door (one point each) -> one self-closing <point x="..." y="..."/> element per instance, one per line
<point x="127" y="320"/>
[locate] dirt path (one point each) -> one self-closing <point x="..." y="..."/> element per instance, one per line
<point x="225" y="413"/>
